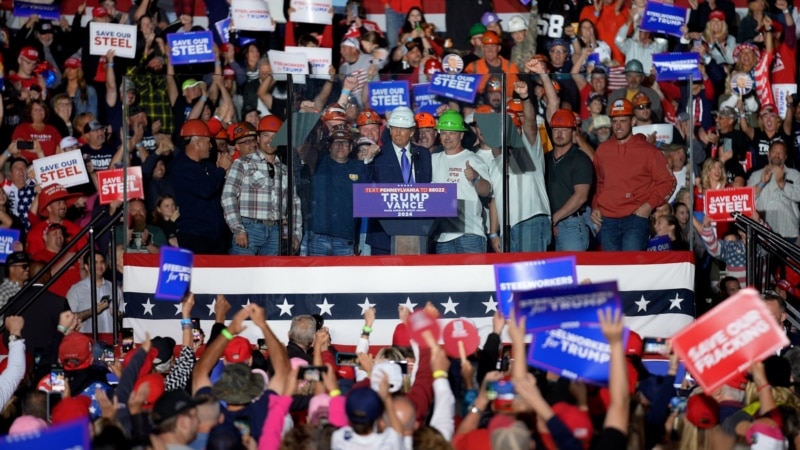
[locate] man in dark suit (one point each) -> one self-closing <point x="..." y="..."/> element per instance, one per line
<point x="397" y="161"/>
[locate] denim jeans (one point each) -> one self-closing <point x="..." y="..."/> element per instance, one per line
<point x="394" y="22"/>
<point x="261" y="239"/>
<point x="629" y="233"/>
<point x="531" y="235"/>
<point x="468" y="243"/>
<point x="324" y="245"/>
<point x="573" y="235"/>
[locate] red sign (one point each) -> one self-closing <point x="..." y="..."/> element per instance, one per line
<point x="112" y="184"/>
<point x="724" y="342"/>
<point x="423" y="328"/>
<point x="460" y="338"/>
<point x="720" y="203"/>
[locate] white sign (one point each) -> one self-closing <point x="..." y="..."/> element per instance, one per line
<point x="319" y="58"/>
<point x="276" y="8"/>
<point x="312" y="11"/>
<point x="779" y="94"/>
<point x="66" y="169"/>
<point x="663" y="131"/>
<point x="285" y="62"/>
<point x="251" y="15"/>
<point x="111" y="36"/>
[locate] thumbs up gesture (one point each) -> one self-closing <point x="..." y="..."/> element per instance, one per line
<point x="470" y="173"/>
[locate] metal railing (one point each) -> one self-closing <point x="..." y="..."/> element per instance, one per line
<point x="93" y="232"/>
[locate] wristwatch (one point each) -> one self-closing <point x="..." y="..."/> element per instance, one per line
<point x="475" y="410"/>
<point x="12" y="338"/>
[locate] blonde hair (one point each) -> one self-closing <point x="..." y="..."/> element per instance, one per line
<point x="708" y="36"/>
<point x="705" y="181"/>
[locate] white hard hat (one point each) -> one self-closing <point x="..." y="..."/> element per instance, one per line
<point x="402" y="117"/>
<point x="517" y="23"/>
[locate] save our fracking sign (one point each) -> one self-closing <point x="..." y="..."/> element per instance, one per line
<point x="720" y="203"/>
<point x="728" y="339"/>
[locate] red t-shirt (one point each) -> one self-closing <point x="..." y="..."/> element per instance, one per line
<point x="48" y="137"/>
<point x="34" y="245"/>
<point x="62" y="284"/>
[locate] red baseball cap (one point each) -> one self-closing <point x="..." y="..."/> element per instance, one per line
<point x="718" y="15"/>
<point x="75" y="352"/>
<point x="72" y="63"/>
<point x="702" y="411"/>
<point x="155" y="382"/>
<point x="99" y="11"/>
<point x="29" y="53"/>
<point x="238" y="350"/>
<point x="578" y="422"/>
<point x="71" y="408"/>
<point x="635" y="344"/>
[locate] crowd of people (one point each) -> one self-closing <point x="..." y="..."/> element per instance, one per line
<point x="572" y="80"/>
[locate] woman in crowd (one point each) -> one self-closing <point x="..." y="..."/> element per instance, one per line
<point x="36" y="138"/>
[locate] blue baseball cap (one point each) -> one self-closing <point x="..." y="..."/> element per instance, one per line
<point x="363" y="406"/>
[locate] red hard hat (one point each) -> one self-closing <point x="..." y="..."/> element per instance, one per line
<point x="334" y="112"/>
<point x="425" y="120"/>
<point x="270" y="123"/>
<point x="620" y="108"/>
<point x="195" y="127"/>
<point x="490" y="37"/>
<point x="563" y="118"/>
<point x="368" y="117"/>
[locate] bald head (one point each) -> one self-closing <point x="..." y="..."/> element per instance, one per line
<point x="406" y="413"/>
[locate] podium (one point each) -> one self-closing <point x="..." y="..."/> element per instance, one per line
<point x="409" y="236"/>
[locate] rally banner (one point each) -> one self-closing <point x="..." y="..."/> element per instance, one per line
<point x="676" y="66"/>
<point x="424" y="101"/>
<point x="112" y="184"/>
<point x="224" y="30"/>
<point x="66" y="436"/>
<point x="251" y="15"/>
<point x="174" y="273"/>
<point x="525" y="276"/>
<point x="656" y="290"/>
<point x="781" y="93"/>
<point x="320" y="59"/>
<point x="285" y="62"/>
<point x="577" y="354"/>
<point x="7" y="238"/>
<point x="311" y="11"/>
<point x="393" y="200"/>
<point x="663" y="131"/>
<point x="720" y="203"/>
<point x="44" y="11"/>
<point x="191" y="48"/>
<point x="66" y="169"/>
<point x="462" y="87"/>
<point x="659" y="244"/>
<point x="664" y="18"/>
<point x="725" y="341"/>
<point x="565" y="306"/>
<point x="111" y="36"/>
<point x="388" y="95"/>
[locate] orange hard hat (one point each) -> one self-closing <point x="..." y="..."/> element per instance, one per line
<point x="271" y="123"/>
<point x="620" y="108"/>
<point x="425" y="120"/>
<point x="484" y="109"/>
<point x="241" y="130"/>
<point x="195" y="127"/>
<point x="494" y="85"/>
<point x="563" y="118"/>
<point x="222" y="134"/>
<point x="334" y="112"/>
<point x="490" y="37"/>
<point x="641" y="99"/>
<point x="367" y="117"/>
<point x="514" y="106"/>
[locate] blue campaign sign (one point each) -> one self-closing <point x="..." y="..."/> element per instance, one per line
<point x="45" y="12"/>
<point x="525" y="276"/>
<point x="402" y="200"/>
<point x="424" y="101"/>
<point x="191" y="48"/>
<point x="68" y="436"/>
<point x="676" y="66"/>
<point x="388" y="95"/>
<point x="462" y="87"/>
<point x="224" y="30"/>
<point x="578" y="354"/>
<point x="663" y="18"/>
<point x="659" y="244"/>
<point x="7" y="238"/>
<point x="174" y="273"/>
<point x="565" y="307"/>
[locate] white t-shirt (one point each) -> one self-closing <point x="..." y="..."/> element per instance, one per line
<point x="79" y="297"/>
<point x="526" y="183"/>
<point x="347" y="439"/>
<point x="450" y="169"/>
<point x="495" y="165"/>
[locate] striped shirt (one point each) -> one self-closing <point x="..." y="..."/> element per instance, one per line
<point x="251" y="191"/>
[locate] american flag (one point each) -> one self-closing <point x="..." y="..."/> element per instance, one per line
<point x="656" y="289"/>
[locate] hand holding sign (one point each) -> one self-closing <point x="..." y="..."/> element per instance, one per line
<point x="461" y="339"/>
<point x="422" y="326"/>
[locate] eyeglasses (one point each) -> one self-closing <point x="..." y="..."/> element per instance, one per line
<point x="647" y="106"/>
<point x="271" y="168"/>
<point x="247" y="142"/>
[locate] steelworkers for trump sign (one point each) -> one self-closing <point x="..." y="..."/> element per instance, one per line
<point x="725" y="341"/>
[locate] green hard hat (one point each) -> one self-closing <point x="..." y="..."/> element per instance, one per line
<point x="451" y="120"/>
<point x="478" y="28"/>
